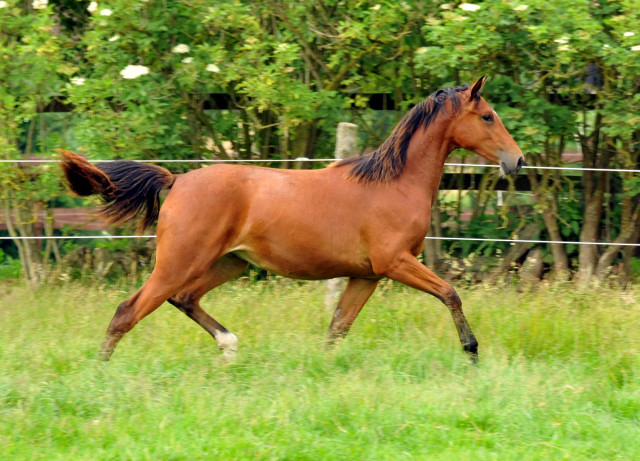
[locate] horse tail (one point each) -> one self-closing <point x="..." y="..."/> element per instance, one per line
<point x="126" y="187"/>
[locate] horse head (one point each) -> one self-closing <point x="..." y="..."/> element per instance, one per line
<point x="479" y="129"/>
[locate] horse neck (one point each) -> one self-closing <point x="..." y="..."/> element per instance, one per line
<point x="427" y="152"/>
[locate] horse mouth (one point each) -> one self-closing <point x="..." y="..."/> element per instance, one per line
<point x="506" y="170"/>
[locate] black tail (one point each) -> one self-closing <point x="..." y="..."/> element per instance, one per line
<point x="127" y="187"/>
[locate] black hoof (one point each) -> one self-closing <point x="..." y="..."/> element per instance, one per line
<point x="471" y="348"/>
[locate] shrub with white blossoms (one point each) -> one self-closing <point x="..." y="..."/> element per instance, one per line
<point x="39" y="4"/>
<point x="469" y="7"/>
<point x="180" y="49"/>
<point x="134" y="71"/>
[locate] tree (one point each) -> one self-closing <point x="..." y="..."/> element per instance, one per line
<point x="28" y="80"/>
<point x="560" y="80"/>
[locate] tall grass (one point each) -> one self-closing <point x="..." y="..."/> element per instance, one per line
<point x="559" y="377"/>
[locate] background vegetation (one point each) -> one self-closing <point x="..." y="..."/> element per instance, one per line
<point x="142" y="79"/>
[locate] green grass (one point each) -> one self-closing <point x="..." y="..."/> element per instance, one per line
<point x="559" y="377"/>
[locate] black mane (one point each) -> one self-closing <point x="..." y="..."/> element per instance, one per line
<point x="388" y="160"/>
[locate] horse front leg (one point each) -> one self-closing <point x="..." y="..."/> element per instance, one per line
<point x="349" y="306"/>
<point x="409" y="271"/>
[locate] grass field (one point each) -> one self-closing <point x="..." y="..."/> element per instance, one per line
<point x="559" y="377"/>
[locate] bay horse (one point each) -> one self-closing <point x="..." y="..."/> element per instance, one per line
<point x="364" y="218"/>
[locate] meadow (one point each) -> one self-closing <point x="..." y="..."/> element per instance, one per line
<point x="558" y="378"/>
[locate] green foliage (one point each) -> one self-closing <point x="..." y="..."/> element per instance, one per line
<point x="9" y="267"/>
<point x="28" y="76"/>
<point x="29" y="79"/>
<point x="561" y="73"/>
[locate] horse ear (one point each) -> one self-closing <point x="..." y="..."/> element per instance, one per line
<point x="477" y="87"/>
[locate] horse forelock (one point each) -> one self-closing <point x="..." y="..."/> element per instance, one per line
<point x="387" y="161"/>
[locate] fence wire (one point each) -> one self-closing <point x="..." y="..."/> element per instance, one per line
<point x="325" y="160"/>
<point x="468" y="239"/>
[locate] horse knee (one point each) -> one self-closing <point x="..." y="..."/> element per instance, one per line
<point x="123" y="320"/>
<point x="451" y="298"/>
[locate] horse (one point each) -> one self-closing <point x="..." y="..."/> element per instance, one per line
<point x="364" y="218"/>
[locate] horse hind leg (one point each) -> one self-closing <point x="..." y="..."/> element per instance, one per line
<point x="187" y="301"/>
<point x="349" y="306"/>
<point x="147" y="299"/>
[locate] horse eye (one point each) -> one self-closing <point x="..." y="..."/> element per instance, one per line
<point x="487" y="118"/>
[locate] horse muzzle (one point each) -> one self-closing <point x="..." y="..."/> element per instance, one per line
<point x="511" y="167"/>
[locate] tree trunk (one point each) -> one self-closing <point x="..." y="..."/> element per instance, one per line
<point x="303" y="140"/>
<point x="588" y="254"/>
<point x="547" y="201"/>
<point x="594" y="185"/>
<point x="29" y="251"/>
<point x="516" y="251"/>
<point x="531" y="270"/>
<point x="433" y="247"/>
<point x="629" y="231"/>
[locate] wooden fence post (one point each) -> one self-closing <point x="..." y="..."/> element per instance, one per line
<point x="346" y="147"/>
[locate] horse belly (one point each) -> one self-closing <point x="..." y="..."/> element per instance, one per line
<point x="305" y="264"/>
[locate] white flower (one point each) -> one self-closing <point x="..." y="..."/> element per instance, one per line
<point x="212" y="68"/>
<point x="106" y="12"/>
<point x="188" y="60"/>
<point x="39" y="4"/>
<point x="521" y="7"/>
<point x="93" y="7"/>
<point x="3" y="4"/>
<point x="635" y="48"/>
<point x="77" y="81"/>
<point x="469" y="7"/>
<point x="606" y="46"/>
<point x="629" y="34"/>
<point x="376" y="7"/>
<point x="114" y="38"/>
<point x="134" y="71"/>
<point x="422" y="50"/>
<point x="563" y="48"/>
<point x="446" y="6"/>
<point x="180" y="49"/>
<point x="562" y="40"/>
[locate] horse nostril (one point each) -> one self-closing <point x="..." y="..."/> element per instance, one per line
<point x="520" y="164"/>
